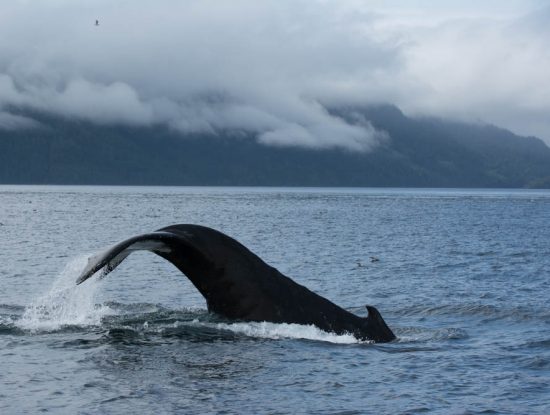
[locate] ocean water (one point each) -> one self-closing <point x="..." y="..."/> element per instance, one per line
<point x="463" y="279"/>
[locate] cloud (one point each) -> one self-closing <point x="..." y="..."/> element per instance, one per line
<point x="490" y="70"/>
<point x="10" y="121"/>
<point x="272" y="68"/>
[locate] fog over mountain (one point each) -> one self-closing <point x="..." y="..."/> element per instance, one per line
<point x="270" y="69"/>
<point x="421" y="152"/>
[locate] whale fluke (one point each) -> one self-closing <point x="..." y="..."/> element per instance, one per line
<point x="237" y="284"/>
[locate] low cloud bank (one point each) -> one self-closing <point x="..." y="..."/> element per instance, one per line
<point x="272" y="68"/>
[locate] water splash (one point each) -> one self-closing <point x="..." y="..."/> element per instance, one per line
<point x="66" y="304"/>
<point x="287" y="331"/>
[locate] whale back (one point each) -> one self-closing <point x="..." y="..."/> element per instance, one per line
<point x="238" y="284"/>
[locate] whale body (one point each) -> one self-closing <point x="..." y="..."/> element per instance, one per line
<point x="237" y="284"/>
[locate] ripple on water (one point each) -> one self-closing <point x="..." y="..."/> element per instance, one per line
<point x="489" y="312"/>
<point x="461" y="278"/>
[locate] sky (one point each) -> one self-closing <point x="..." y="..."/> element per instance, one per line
<point x="273" y="67"/>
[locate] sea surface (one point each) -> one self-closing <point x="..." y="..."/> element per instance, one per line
<point x="462" y="277"/>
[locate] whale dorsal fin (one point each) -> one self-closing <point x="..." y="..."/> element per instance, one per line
<point x="377" y="324"/>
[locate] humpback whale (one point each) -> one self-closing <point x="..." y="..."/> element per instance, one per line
<point x="237" y="284"/>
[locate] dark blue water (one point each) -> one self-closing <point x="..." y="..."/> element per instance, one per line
<point x="463" y="278"/>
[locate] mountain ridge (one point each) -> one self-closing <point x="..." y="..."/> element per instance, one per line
<point x="420" y="152"/>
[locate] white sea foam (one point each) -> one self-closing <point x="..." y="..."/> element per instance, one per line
<point x="65" y="303"/>
<point x="287" y="331"/>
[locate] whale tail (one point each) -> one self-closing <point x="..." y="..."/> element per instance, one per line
<point x="106" y="261"/>
<point x="377" y="325"/>
<point x="236" y="283"/>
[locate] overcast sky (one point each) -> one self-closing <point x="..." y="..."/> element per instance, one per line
<point x="271" y="67"/>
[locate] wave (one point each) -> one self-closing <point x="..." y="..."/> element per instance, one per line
<point x="140" y="323"/>
<point x="267" y="330"/>
<point x="154" y="318"/>
<point x="146" y="323"/>
<point x="417" y="334"/>
<point x="488" y="312"/>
